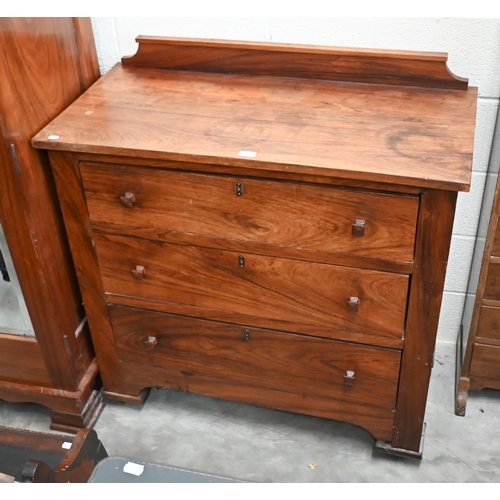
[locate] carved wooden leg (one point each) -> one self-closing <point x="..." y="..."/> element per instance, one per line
<point x="66" y="421"/>
<point x="461" y="396"/>
<point x="461" y="382"/>
<point x="126" y="398"/>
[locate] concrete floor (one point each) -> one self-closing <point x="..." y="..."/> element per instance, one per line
<point x="263" y="445"/>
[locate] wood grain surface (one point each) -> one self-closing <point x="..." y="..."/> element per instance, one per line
<point x="40" y="76"/>
<point x="45" y="64"/>
<point x="435" y="223"/>
<point x="170" y="204"/>
<point x="492" y="279"/>
<point x="299" y="367"/>
<point x="495" y="247"/>
<point x="267" y="358"/>
<point x="413" y="136"/>
<point x="485" y="362"/>
<point x="394" y="67"/>
<point x="72" y="199"/>
<point x="15" y="348"/>
<point x="378" y="421"/>
<point x="304" y="297"/>
<point x="489" y="323"/>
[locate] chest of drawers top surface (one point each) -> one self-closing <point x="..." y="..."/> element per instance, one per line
<point x="365" y="129"/>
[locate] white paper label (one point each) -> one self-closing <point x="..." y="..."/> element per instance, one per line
<point x="66" y="445"/>
<point x="135" y="469"/>
<point x="53" y="137"/>
<point x="248" y="154"/>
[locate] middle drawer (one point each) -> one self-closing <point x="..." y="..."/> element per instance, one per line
<point x="304" y="297"/>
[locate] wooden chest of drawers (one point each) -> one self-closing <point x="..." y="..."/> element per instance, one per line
<point x="478" y="342"/>
<point x="267" y="231"/>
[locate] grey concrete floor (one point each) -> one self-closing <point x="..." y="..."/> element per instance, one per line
<point x="268" y="446"/>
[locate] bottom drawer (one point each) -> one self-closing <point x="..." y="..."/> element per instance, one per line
<point x="485" y="362"/>
<point x="281" y="370"/>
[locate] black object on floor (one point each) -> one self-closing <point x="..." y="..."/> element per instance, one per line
<point x="38" y="457"/>
<point x="128" y="470"/>
<point x="3" y="269"/>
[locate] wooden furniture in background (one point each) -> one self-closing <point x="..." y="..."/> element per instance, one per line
<point x="45" y="64"/>
<point x="38" y="457"/>
<point x="478" y="346"/>
<point x="268" y="223"/>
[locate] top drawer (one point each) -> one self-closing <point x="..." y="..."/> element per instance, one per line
<point x="172" y="206"/>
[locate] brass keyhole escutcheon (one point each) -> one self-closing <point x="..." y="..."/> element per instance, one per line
<point x="238" y="187"/>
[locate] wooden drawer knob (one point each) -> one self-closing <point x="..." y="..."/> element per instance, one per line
<point x="358" y="228"/>
<point x="139" y="273"/>
<point x="127" y="200"/>
<point x="353" y="304"/>
<point x="151" y="343"/>
<point x="349" y="377"/>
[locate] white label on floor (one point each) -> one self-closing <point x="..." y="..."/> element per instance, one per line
<point x="135" y="469"/>
<point x="66" y="445"/>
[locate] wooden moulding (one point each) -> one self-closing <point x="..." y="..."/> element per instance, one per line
<point x="70" y="410"/>
<point x="420" y="69"/>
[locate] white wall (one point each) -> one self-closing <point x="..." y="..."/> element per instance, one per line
<point x="473" y="46"/>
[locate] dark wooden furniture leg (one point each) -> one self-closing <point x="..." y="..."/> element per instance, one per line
<point x="36" y="457"/>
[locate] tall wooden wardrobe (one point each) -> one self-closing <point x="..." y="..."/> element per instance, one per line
<point x="46" y="356"/>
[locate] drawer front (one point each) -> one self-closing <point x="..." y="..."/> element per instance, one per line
<point x="315" y="219"/>
<point x="485" y="361"/>
<point x="495" y="250"/>
<point x="270" y="292"/>
<point x="492" y="285"/>
<point x="489" y="323"/>
<point x="273" y="361"/>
